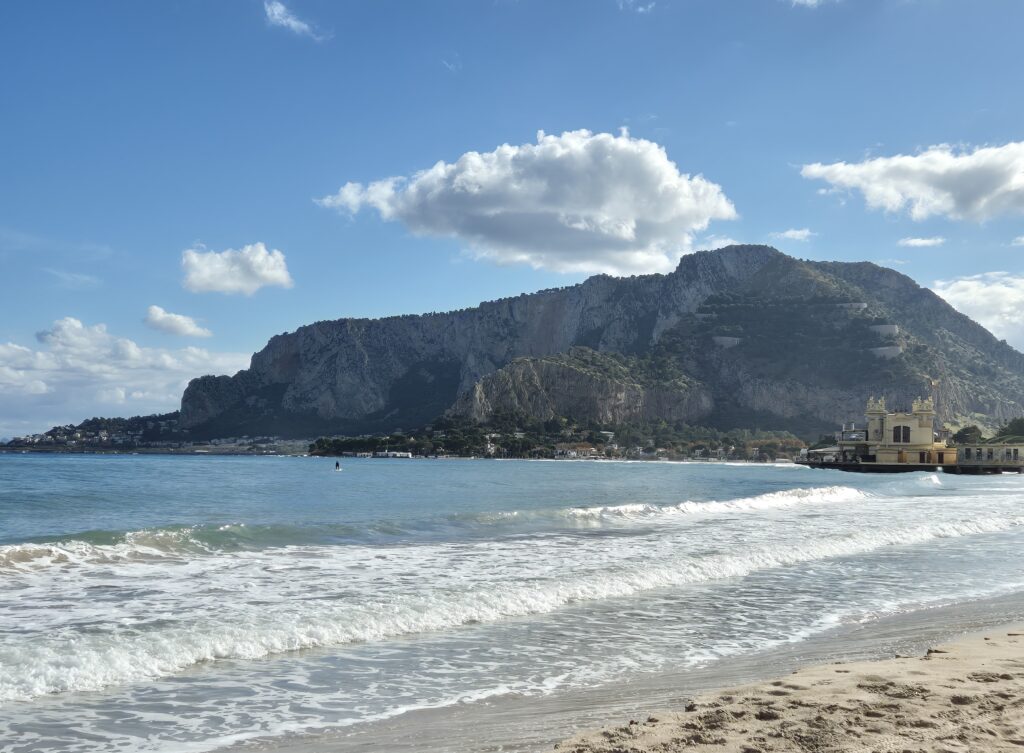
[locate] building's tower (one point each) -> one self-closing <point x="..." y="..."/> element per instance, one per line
<point x="924" y="410"/>
<point x="875" y="413"/>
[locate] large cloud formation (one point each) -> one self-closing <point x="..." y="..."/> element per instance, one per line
<point x="243" y="271"/>
<point x="959" y="184"/>
<point x="993" y="299"/>
<point x="81" y="370"/>
<point x="578" y="202"/>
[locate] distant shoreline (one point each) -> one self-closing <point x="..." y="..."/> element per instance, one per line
<point x="226" y="452"/>
<point x="145" y="451"/>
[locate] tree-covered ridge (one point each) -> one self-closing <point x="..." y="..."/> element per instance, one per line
<point x="1012" y="432"/>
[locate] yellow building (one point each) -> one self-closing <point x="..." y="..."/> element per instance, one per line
<point x="904" y="441"/>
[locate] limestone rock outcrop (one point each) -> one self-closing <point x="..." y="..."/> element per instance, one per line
<point x="799" y="355"/>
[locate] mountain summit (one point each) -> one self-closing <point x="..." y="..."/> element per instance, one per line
<point x="743" y="336"/>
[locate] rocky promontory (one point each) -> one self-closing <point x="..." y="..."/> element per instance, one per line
<point x="744" y="336"/>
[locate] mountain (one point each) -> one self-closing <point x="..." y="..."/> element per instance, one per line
<point x="608" y="388"/>
<point x="744" y="336"/>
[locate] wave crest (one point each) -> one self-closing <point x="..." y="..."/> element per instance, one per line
<point x="257" y="629"/>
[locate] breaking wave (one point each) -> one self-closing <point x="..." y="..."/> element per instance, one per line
<point x="252" y="629"/>
<point x="183" y="541"/>
<point x="768" y="501"/>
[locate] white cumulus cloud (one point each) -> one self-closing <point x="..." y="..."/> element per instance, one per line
<point x="795" y="234"/>
<point x="174" y="324"/>
<point x="993" y="299"/>
<point x="243" y="271"/>
<point x="79" y="370"/>
<point x="976" y="184"/>
<point x="1018" y="241"/>
<point x="578" y="202"/>
<point x="921" y="242"/>
<point x="279" y="15"/>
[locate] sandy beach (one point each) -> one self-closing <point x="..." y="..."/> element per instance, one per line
<point x="967" y="695"/>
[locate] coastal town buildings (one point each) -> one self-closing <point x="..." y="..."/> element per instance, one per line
<point x="897" y="441"/>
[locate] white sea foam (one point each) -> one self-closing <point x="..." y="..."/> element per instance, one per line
<point x="429" y="585"/>
<point x="145" y="544"/>
<point x="268" y="614"/>
<point x="778" y="500"/>
<point x="151" y="544"/>
<point x="768" y="501"/>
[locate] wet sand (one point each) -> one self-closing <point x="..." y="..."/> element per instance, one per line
<point x="525" y="724"/>
<point x="967" y="695"/>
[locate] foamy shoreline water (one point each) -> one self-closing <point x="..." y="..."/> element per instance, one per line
<point x="171" y="605"/>
<point x="536" y="725"/>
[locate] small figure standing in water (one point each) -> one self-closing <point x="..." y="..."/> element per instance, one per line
<point x="337" y="465"/>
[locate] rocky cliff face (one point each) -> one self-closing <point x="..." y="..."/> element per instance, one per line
<point x="757" y="334"/>
<point x="582" y="384"/>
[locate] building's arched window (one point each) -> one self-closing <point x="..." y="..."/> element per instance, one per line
<point x="901" y="434"/>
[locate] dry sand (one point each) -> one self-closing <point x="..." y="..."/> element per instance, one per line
<point x="964" y="696"/>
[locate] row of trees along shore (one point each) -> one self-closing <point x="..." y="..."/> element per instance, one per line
<point x="511" y="436"/>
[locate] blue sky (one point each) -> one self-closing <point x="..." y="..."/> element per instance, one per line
<point x="140" y="142"/>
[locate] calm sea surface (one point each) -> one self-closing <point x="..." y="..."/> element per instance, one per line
<point x="185" y="603"/>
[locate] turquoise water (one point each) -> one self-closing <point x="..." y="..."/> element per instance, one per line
<point x="153" y="603"/>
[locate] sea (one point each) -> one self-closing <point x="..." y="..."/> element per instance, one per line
<point x="190" y="604"/>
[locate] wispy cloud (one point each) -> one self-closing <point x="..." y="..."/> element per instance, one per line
<point x="921" y="242"/>
<point x="714" y="242"/>
<point x="453" y="62"/>
<point x="795" y="234"/>
<point x="636" y="7"/>
<point x="1018" y="241"/>
<point x="278" y="15"/>
<point x="72" y="280"/>
<point x="14" y="241"/>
